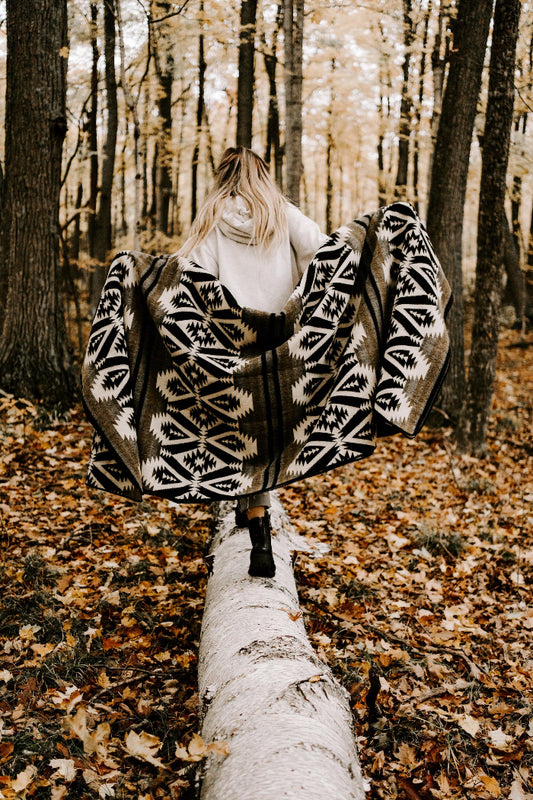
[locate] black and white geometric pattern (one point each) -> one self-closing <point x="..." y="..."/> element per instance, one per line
<point x="194" y="397"/>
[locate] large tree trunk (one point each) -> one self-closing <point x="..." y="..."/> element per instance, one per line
<point x="245" y="83"/>
<point x="265" y="695"/>
<point x="34" y="356"/>
<point x="450" y="173"/>
<point x="472" y="433"/>
<point x="293" y="26"/>
<point x="103" y="242"/>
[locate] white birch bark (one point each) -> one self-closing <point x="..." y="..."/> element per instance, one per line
<point x="262" y="688"/>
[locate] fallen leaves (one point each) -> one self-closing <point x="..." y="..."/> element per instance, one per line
<point x="426" y="585"/>
<point x="470" y="725"/>
<point x="99" y="624"/>
<point x="430" y="562"/>
<point x="144" y="746"/>
<point x="93" y="742"/>
<point x="198" y="749"/>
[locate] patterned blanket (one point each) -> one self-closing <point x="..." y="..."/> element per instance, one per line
<point x="195" y="398"/>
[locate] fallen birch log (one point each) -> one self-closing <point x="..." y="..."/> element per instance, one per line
<point x="263" y="690"/>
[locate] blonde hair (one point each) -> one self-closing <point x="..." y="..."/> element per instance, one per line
<point x="242" y="172"/>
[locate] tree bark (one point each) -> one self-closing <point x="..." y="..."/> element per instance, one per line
<point x="404" y="131"/>
<point x="103" y="239"/>
<point x="383" y="116"/>
<point x="438" y="68"/>
<point x="293" y="24"/>
<point x="418" y="111"/>
<point x="516" y="285"/>
<point x="273" y="134"/>
<point x="450" y="173"/>
<point x="76" y="235"/>
<point x="263" y="690"/>
<point x="472" y="432"/>
<point x="529" y="261"/>
<point x="199" y="117"/>
<point x="34" y="355"/>
<point x="246" y="79"/>
<point x="92" y="125"/>
<point x="164" y="64"/>
<point x="123" y="229"/>
<point x="132" y="104"/>
<point x="330" y="146"/>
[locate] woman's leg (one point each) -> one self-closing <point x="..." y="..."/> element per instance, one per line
<point x="261" y="559"/>
<point x="254" y="505"/>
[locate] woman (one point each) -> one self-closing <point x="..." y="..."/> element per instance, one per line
<point x="258" y="245"/>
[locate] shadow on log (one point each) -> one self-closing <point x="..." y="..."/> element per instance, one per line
<point x="262" y="688"/>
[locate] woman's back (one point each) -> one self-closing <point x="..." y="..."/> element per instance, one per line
<point x="258" y="276"/>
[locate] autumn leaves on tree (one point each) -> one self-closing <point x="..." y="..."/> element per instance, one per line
<point x="314" y="89"/>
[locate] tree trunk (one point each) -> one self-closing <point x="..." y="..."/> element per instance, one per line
<point x="329" y="153"/>
<point x="418" y="111"/>
<point x="153" y="176"/>
<point x="147" y="108"/>
<point x="199" y="118"/>
<point x="450" y="173"/>
<point x="164" y="64"/>
<point x="404" y="131"/>
<point x="92" y="125"/>
<point x="3" y="244"/>
<point x="516" y="286"/>
<point x="472" y="433"/>
<point x="438" y="67"/>
<point x="273" y="137"/>
<point x="245" y="83"/>
<point x="529" y="262"/>
<point x="76" y="235"/>
<point x="177" y="178"/>
<point x="293" y="24"/>
<point x="383" y="116"/>
<point x="103" y="241"/>
<point x="34" y="356"/>
<point x="132" y="105"/>
<point x="122" y="173"/>
<point x="265" y="695"/>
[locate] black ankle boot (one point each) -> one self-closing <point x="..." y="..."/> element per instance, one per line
<point x="261" y="560"/>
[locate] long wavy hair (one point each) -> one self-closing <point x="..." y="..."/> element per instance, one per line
<point x="242" y="172"/>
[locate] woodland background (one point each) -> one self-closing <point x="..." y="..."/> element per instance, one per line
<point x="115" y="114"/>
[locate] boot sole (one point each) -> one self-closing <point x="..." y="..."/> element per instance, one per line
<point x="261" y="565"/>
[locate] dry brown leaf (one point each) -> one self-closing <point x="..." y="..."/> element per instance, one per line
<point x="500" y="740"/>
<point x="219" y="748"/>
<point x="406" y="755"/>
<point x="94" y="742"/>
<point x="64" y="768"/>
<point x="491" y="785"/>
<point x="144" y="746"/>
<point x="24" y="779"/>
<point x="469" y="724"/>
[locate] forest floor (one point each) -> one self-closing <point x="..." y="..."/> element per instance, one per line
<point x="422" y="607"/>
